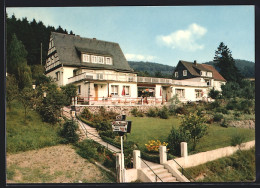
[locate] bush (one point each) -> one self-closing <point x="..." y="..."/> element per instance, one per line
<point x="181" y="110"/>
<point x="232" y="104"/>
<point x="163" y="113"/>
<point x="151" y="112"/>
<point x="140" y="114"/>
<point x="218" y="117"/>
<point x="215" y="104"/>
<point x="237" y="139"/>
<point x="68" y="131"/>
<point x="224" y="123"/>
<point x="134" y="112"/>
<point x="86" y="114"/>
<point x="152" y="158"/>
<point x="174" y="140"/>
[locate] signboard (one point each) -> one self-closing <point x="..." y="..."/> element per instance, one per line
<point x="120" y="125"/>
<point x="120" y="117"/>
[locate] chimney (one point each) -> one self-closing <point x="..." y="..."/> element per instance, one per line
<point x="195" y="63"/>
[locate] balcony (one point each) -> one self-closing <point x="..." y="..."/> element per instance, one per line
<point x="154" y="80"/>
<point x="97" y="76"/>
<point x="188" y="83"/>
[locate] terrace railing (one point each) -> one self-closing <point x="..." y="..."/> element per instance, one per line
<point x="99" y="76"/>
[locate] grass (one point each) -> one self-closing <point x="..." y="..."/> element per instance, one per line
<point x="147" y="128"/>
<point x="29" y="134"/>
<point x="239" y="167"/>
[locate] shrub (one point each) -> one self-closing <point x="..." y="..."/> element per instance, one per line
<point x="232" y="104"/>
<point x="134" y="112"/>
<point x="214" y="94"/>
<point x="218" y="117"/>
<point x="163" y="113"/>
<point x="140" y="114"/>
<point x="215" y="104"/>
<point x="181" y="110"/>
<point x="86" y="114"/>
<point x="224" y="123"/>
<point x="68" y="131"/>
<point x="151" y="112"/>
<point x="237" y="139"/>
<point x="174" y="140"/>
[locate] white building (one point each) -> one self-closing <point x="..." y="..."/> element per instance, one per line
<point x="102" y="74"/>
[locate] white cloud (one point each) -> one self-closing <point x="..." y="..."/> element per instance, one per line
<point x="184" y="39"/>
<point x="138" y="57"/>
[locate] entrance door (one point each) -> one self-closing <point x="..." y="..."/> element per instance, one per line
<point x="96" y="92"/>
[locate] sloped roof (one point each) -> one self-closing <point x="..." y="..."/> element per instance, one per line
<point x="215" y="73"/>
<point x="69" y="48"/>
<point x="195" y="69"/>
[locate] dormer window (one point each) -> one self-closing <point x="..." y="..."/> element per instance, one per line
<point x="86" y="58"/>
<point x="209" y="74"/>
<point x="108" y="60"/>
<point x="185" y="73"/>
<point x="202" y="73"/>
<point x="176" y="74"/>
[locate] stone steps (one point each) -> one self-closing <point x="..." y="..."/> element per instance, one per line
<point x="162" y="173"/>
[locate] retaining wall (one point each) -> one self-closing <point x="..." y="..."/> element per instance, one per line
<point x="126" y="110"/>
<point x="204" y="157"/>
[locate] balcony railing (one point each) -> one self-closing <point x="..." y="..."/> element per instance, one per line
<point x="123" y="78"/>
<point x="154" y="80"/>
<point x="99" y="76"/>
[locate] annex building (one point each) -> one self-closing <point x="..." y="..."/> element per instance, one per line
<point x="102" y="74"/>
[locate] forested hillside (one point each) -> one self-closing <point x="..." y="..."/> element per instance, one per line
<point x="246" y="68"/>
<point x="151" y="69"/>
<point x="32" y="34"/>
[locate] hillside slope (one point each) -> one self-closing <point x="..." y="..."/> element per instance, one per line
<point x="247" y="68"/>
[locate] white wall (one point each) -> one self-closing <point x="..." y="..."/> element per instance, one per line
<point x="65" y="73"/>
<point x="190" y="93"/>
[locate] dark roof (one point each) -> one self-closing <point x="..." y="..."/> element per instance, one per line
<point x="215" y="73"/>
<point x="195" y="69"/>
<point x="69" y="48"/>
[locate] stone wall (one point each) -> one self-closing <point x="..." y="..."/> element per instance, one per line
<point x="126" y="110"/>
<point x="248" y="124"/>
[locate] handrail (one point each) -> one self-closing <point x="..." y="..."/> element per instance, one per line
<point x="182" y="170"/>
<point x="87" y="132"/>
<point x="151" y="170"/>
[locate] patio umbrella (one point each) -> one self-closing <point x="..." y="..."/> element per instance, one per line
<point x="123" y="92"/>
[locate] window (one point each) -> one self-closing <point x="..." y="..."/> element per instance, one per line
<point x="79" y="89"/>
<point x="108" y="60"/>
<point x="114" y="89"/>
<point x="100" y="59"/>
<point x="208" y="83"/>
<point x="209" y="74"/>
<point x="202" y="73"/>
<point x="198" y="93"/>
<point x="94" y="59"/>
<point x="57" y="76"/>
<point x="180" y="93"/>
<point x="126" y="90"/>
<point x="185" y="73"/>
<point x="176" y="74"/>
<point x="85" y="58"/>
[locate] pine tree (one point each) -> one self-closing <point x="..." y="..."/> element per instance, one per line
<point x="226" y="64"/>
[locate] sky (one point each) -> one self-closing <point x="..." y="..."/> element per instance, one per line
<point x="161" y="34"/>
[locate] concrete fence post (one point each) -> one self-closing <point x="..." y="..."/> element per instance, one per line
<point x="163" y="154"/>
<point x="120" y="168"/>
<point x="76" y="100"/>
<point x="73" y="101"/>
<point x="184" y="149"/>
<point x="136" y="159"/>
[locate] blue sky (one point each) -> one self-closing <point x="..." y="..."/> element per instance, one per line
<point x="158" y="34"/>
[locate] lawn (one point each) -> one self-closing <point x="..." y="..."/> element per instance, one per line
<point x="147" y="128"/>
<point x="26" y="135"/>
